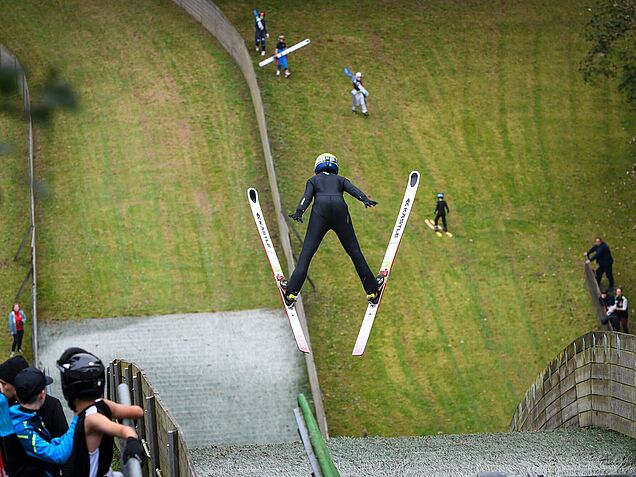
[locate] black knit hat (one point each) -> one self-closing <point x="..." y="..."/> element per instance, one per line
<point x="11" y="367"/>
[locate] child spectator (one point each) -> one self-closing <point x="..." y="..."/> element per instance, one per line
<point x="359" y="95"/>
<point x="83" y="379"/>
<point x="40" y="455"/>
<point x="281" y="63"/>
<point x="51" y="411"/>
<point x="17" y="320"/>
<point x="607" y="302"/>
<point x="261" y="34"/>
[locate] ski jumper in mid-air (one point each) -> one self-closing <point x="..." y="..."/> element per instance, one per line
<point x="359" y="95"/>
<point x="330" y="212"/>
<point x="260" y="35"/>
<point x="281" y="63"/>
<point x="441" y="208"/>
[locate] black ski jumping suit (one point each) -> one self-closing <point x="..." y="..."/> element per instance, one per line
<point x="260" y="35"/>
<point x="440" y="212"/>
<point x="330" y="212"/>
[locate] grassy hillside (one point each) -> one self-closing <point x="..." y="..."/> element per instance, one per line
<point x="146" y="213"/>
<point x="485" y="99"/>
<point x="14" y="220"/>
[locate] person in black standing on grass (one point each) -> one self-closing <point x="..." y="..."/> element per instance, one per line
<point x="260" y="35"/>
<point x="441" y="209"/>
<point x="330" y="212"/>
<point x="603" y="257"/>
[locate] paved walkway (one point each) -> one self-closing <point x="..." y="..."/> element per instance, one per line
<point x="226" y="377"/>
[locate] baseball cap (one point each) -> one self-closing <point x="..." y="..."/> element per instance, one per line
<point x="29" y="383"/>
<point x="11" y="367"/>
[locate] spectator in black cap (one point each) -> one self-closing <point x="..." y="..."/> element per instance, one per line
<point x="40" y="455"/>
<point x="51" y="412"/>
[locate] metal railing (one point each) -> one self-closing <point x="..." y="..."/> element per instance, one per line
<point x="132" y="468"/>
<point x="158" y="430"/>
<point x="317" y="452"/>
<point x="214" y="21"/>
<point x="8" y="59"/>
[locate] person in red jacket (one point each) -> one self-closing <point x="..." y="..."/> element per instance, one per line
<point x="17" y="319"/>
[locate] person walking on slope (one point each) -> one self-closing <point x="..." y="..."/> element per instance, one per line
<point x="603" y="257"/>
<point x="359" y="95"/>
<point x="260" y="34"/>
<point x="330" y="212"/>
<point x="441" y="208"/>
<point x="281" y="63"/>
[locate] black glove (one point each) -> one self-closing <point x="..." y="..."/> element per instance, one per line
<point x="370" y="203"/>
<point x="134" y="448"/>
<point x="297" y="216"/>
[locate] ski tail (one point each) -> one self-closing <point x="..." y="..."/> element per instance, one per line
<point x="348" y="72"/>
<point x="277" y="271"/>
<point x="387" y="262"/>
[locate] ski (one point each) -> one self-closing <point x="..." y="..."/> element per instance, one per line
<point x="266" y="241"/>
<point x="387" y="263"/>
<point x="295" y="47"/>
<point x="437" y="231"/>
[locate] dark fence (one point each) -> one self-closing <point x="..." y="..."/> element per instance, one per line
<point x="595" y="293"/>
<point x="8" y="60"/>
<point x="158" y="430"/>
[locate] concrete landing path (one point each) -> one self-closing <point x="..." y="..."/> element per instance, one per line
<point x="228" y="378"/>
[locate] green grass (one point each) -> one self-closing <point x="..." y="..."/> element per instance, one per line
<point x="486" y="101"/>
<point x="14" y="221"/>
<point x="147" y="212"/>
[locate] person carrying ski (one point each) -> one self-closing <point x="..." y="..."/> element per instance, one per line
<point x="260" y="34"/>
<point x="359" y="95"/>
<point x="330" y="212"/>
<point x="281" y="63"/>
<point x="441" y="208"/>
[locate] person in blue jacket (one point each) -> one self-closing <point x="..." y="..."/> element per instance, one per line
<point x="42" y="454"/>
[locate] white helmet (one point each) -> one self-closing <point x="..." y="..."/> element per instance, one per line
<point x="358" y="75"/>
<point x="326" y="162"/>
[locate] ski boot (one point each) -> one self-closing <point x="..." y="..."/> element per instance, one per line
<point x="288" y="296"/>
<point x="374" y="297"/>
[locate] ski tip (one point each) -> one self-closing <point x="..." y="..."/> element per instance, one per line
<point x="357" y="351"/>
<point x="414" y="178"/>
<point x="252" y="195"/>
